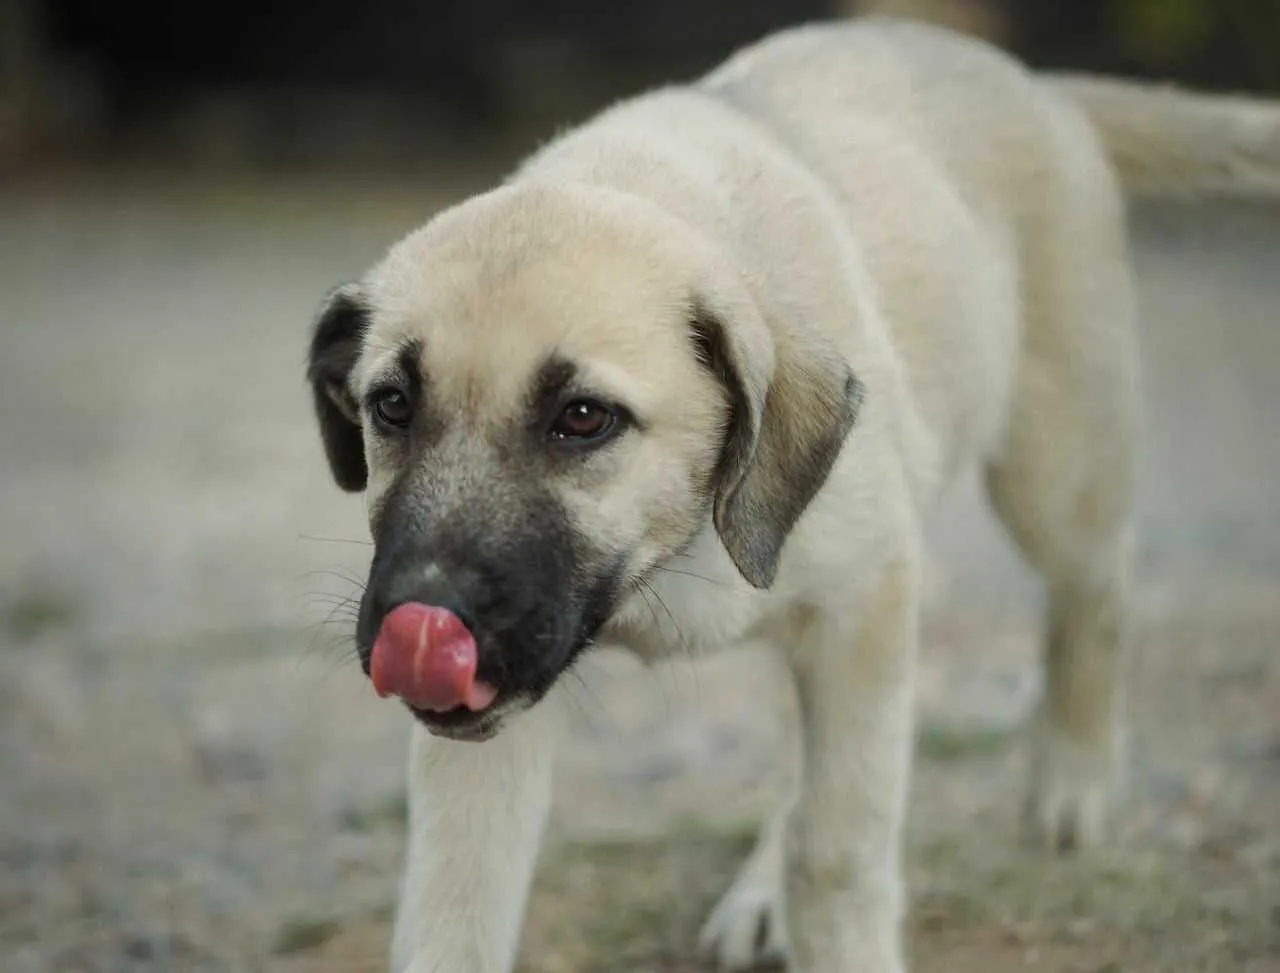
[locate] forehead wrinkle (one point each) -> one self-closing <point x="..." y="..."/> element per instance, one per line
<point x="490" y="320"/>
<point x="556" y="374"/>
<point x="385" y="355"/>
<point x="639" y="356"/>
<point x="478" y="380"/>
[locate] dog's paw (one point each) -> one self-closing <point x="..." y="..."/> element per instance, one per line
<point x="1069" y="802"/>
<point x="747" y="929"/>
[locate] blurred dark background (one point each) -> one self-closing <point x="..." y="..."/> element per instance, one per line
<point x="286" y="81"/>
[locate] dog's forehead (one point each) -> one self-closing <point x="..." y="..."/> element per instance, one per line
<point x="486" y="318"/>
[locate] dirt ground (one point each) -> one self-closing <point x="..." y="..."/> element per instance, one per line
<point x="194" y="778"/>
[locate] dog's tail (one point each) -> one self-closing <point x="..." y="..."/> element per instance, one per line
<point x="1164" y="141"/>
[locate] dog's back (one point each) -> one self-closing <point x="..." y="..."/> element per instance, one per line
<point x="977" y="188"/>
<point x="937" y="151"/>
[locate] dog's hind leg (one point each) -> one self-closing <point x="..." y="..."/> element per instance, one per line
<point x="1077" y="733"/>
<point x="1061" y="481"/>
<point x="747" y="929"/>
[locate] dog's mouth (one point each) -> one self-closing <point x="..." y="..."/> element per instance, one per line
<point x="466" y="725"/>
<point x="425" y="657"/>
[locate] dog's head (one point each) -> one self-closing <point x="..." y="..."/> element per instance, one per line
<point x="545" y="394"/>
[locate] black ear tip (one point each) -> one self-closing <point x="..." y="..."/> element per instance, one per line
<point x="350" y="480"/>
<point x="761" y="576"/>
<point x="336" y="336"/>
<point x="343" y="313"/>
<point x="854" y="394"/>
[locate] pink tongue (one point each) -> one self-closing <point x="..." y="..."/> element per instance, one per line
<point x="426" y="656"/>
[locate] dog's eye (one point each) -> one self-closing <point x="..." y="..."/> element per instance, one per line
<point x="392" y="408"/>
<point x="584" y="421"/>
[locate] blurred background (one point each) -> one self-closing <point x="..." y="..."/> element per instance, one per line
<point x="294" y="83"/>
<point x="193" y="776"/>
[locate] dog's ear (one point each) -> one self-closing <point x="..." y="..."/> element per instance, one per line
<point x="789" y="415"/>
<point x="339" y="327"/>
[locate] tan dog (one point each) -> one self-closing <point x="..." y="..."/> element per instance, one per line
<point x="751" y="329"/>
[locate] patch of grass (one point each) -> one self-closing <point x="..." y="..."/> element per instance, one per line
<point x="623" y="904"/>
<point x="303" y="934"/>
<point x="638" y="905"/>
<point x="1177" y="909"/>
<point x="38" y="612"/>
<point x="393" y="813"/>
<point x="946" y="744"/>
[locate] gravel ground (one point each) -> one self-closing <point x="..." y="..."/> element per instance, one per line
<point x="195" y="779"/>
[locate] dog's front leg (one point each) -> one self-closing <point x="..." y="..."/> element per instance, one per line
<point x="476" y="817"/>
<point x="844" y="890"/>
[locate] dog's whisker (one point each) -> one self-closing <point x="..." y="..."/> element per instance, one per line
<point x="331" y="609"/>
<point x="684" y="644"/>
<point x="341" y="662"/>
<point x="332" y="622"/>
<point x="680" y="638"/>
<point x="639" y="587"/>
<point x="690" y="657"/>
<point x="331" y="655"/>
<point x="331" y="629"/>
<point x="338" y="573"/>
<point x="343" y="612"/>
<point x="332" y="664"/>
<point x="328" y="630"/>
<point x="343" y="615"/>
<point x="334" y="540"/>
<point x="333" y="595"/>
<point x="320" y="600"/>
<point x="587" y="718"/>
<point x="700" y="577"/>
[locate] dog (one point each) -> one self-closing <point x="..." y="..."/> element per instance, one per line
<point x="751" y="328"/>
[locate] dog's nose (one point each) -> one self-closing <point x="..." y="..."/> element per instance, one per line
<point x="425" y="584"/>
